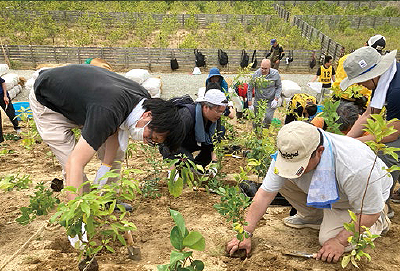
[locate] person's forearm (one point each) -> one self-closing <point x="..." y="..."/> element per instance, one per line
<point x="213" y="157"/>
<point x="357" y="129"/>
<point x="111" y="148"/>
<point x="258" y="207"/>
<point x="77" y="160"/>
<point x="314" y="78"/>
<point x="366" y="220"/>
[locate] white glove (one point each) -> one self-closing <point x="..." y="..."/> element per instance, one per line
<point x="251" y="108"/>
<point x="212" y="170"/>
<point x="176" y="175"/>
<point x="274" y="104"/>
<point x="230" y="104"/>
<point x="100" y="173"/>
<point x="78" y="243"/>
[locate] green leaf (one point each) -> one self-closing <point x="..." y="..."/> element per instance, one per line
<point x="179" y="221"/>
<point x="176" y="238"/>
<point x="162" y="267"/>
<point x="195" y="241"/>
<point x="353" y="261"/>
<point x="110" y="249"/>
<point x="178" y="256"/>
<point x="345" y="261"/>
<point x="175" y="188"/>
<point x="85" y="208"/>
<point x="198" y="265"/>
<point x="353" y="216"/>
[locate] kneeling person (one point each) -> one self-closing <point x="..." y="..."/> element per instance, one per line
<point x="322" y="175"/>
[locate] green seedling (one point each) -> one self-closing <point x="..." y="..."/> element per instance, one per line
<point x="150" y="189"/>
<point x="41" y="203"/>
<point x="95" y="212"/>
<point x="181" y="238"/>
<point x="10" y="182"/>
<point x="361" y="236"/>
<point x="182" y="173"/>
<point x="232" y="206"/>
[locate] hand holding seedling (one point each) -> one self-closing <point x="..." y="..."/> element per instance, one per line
<point x="331" y="251"/>
<point x="235" y="244"/>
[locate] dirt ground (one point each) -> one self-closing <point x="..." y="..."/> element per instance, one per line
<point x="50" y="249"/>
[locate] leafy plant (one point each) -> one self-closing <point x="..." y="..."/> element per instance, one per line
<point x="40" y="204"/>
<point x="150" y="189"/>
<point x="361" y="236"/>
<point x="182" y="173"/>
<point x="331" y="116"/>
<point x="31" y="135"/>
<point x="232" y="207"/>
<point x="10" y="182"/>
<point x="181" y="238"/>
<point x="94" y="212"/>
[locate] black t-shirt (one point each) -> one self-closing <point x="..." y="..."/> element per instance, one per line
<point x="393" y="96"/>
<point x="97" y="99"/>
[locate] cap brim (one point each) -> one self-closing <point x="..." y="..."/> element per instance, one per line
<point x="380" y="68"/>
<point x="290" y="170"/>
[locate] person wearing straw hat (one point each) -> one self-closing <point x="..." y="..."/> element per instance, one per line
<point x="379" y="73"/>
<point x="322" y="175"/>
<point x="200" y="125"/>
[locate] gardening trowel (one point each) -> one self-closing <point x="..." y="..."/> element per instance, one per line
<point x="133" y="252"/>
<point x="300" y="254"/>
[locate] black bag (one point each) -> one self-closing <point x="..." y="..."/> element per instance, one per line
<point x="222" y="57"/>
<point x="174" y="62"/>
<point x="254" y="60"/>
<point x="313" y="61"/>
<point x="200" y="58"/>
<point x="244" y="59"/>
<point x="182" y="100"/>
<point x="289" y="59"/>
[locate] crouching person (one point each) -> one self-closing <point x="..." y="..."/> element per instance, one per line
<point x="108" y="108"/>
<point x="322" y="175"/>
<point x="200" y="121"/>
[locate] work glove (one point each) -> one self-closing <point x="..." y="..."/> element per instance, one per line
<point x="104" y="168"/>
<point x="251" y="108"/>
<point x="274" y="104"/>
<point x="77" y="242"/>
<point x="176" y="175"/>
<point x="212" y="169"/>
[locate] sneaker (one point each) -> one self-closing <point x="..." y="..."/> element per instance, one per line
<point x="295" y="221"/>
<point x="18" y="131"/>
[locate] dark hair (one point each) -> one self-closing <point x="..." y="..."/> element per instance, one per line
<point x="166" y="119"/>
<point x="321" y="143"/>
<point x="327" y="59"/>
<point x="348" y="115"/>
<point x="311" y="109"/>
<point x="212" y="85"/>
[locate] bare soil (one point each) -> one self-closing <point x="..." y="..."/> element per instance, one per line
<point x="50" y="249"/>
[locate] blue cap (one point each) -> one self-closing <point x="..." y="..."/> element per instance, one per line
<point x="273" y="41"/>
<point x="214" y="72"/>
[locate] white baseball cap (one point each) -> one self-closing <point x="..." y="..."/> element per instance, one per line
<point x="296" y="142"/>
<point x="214" y="96"/>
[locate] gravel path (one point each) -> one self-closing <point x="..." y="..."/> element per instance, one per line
<point x="176" y="84"/>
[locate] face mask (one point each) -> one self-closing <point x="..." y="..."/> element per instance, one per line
<point x="137" y="133"/>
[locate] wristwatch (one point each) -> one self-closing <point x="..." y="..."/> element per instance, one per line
<point x="248" y="233"/>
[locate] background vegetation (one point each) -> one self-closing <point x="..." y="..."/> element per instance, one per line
<point x="91" y="30"/>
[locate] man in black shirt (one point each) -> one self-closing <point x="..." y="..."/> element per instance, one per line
<point x="108" y="108"/>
